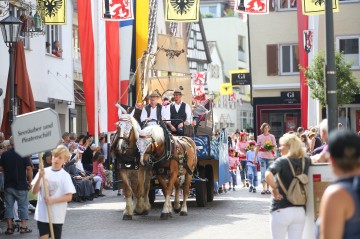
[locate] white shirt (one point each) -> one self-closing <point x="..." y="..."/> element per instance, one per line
<point x="187" y="111"/>
<point x="105" y="150"/>
<point x="165" y="113"/>
<point x="59" y="184"/>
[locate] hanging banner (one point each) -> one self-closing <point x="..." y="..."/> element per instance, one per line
<point x="109" y="54"/>
<point x="317" y="7"/>
<point x="308" y="40"/>
<point x="252" y="6"/>
<point x="54" y="11"/>
<point x="117" y="10"/>
<point x="217" y="96"/>
<point x="226" y="89"/>
<point x="182" y="10"/>
<point x="171" y="55"/>
<point x="199" y="78"/>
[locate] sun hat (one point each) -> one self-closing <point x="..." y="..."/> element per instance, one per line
<point x="154" y="93"/>
<point x="252" y="142"/>
<point x="178" y="92"/>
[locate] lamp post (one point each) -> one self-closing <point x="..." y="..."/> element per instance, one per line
<point x="10" y="28"/>
<point x="331" y="91"/>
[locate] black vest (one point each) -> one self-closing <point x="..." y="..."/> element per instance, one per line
<point x="158" y="111"/>
<point x="177" y="115"/>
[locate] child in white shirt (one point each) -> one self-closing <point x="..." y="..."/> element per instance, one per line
<point x="60" y="187"/>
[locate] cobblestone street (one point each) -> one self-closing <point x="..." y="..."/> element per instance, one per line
<point x="235" y="214"/>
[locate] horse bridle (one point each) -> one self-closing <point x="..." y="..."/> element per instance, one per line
<point x="126" y="139"/>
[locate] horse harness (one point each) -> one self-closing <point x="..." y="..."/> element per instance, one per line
<point x="181" y="159"/>
<point x="127" y="161"/>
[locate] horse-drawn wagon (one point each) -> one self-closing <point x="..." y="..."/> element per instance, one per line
<point x="164" y="71"/>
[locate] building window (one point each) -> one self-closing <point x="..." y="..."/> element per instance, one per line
<point x="349" y="46"/>
<point x="241" y="51"/>
<point x="287" y="4"/>
<point x="208" y="11"/>
<point x="53" y="33"/>
<point x="195" y="40"/>
<point x="289" y="58"/>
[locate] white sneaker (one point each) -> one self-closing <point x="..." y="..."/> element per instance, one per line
<point x="31" y="208"/>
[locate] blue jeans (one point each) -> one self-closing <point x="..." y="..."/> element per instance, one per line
<point x="264" y="164"/>
<point x="233" y="177"/>
<point x="21" y="196"/>
<point x="243" y="171"/>
<point x="252" y="172"/>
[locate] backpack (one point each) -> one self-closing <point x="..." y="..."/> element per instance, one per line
<point x="298" y="191"/>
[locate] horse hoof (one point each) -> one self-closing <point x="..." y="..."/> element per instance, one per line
<point x="127" y="217"/>
<point x="145" y="212"/>
<point x="138" y="213"/>
<point x="183" y="213"/>
<point x="177" y="210"/>
<point x="164" y="216"/>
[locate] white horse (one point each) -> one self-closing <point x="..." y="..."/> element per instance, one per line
<point x="136" y="178"/>
<point x="182" y="163"/>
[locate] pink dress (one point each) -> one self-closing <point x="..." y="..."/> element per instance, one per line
<point x="261" y="139"/>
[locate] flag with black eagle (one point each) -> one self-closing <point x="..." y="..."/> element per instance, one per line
<point x="182" y="10"/>
<point x="52" y="11"/>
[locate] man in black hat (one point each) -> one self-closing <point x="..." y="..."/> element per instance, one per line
<point x="180" y="114"/>
<point x="154" y="110"/>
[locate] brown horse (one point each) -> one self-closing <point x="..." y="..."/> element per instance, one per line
<point x="135" y="178"/>
<point x="182" y="163"/>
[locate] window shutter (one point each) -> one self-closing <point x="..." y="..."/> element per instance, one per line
<point x="272" y="60"/>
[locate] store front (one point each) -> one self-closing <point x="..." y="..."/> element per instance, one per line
<point x="282" y="113"/>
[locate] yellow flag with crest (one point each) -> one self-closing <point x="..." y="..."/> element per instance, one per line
<point x="226" y="89"/>
<point x="53" y="11"/>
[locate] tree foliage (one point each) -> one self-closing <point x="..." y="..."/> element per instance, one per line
<point x="346" y="84"/>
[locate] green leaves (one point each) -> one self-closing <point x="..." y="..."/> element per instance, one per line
<point x="346" y="83"/>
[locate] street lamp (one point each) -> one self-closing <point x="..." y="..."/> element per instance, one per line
<point x="10" y="28"/>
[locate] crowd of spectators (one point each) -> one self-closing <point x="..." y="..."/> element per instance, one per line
<point x="87" y="166"/>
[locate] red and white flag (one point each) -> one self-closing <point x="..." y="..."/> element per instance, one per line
<point x="252" y="6"/>
<point x="92" y="28"/>
<point x="117" y="10"/>
<point x="199" y="90"/>
<point x="199" y="78"/>
<point x="232" y="97"/>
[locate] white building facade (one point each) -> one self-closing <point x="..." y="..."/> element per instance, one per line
<point x="230" y="33"/>
<point x="51" y="77"/>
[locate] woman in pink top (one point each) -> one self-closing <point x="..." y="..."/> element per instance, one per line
<point x="265" y="157"/>
<point x="240" y="147"/>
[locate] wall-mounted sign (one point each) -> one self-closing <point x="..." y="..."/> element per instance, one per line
<point x="290" y="97"/>
<point x="240" y="77"/>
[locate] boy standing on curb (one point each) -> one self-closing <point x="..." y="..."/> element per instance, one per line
<point x="60" y="189"/>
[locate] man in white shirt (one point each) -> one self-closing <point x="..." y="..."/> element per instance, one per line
<point x="154" y="110"/>
<point x="180" y="114"/>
